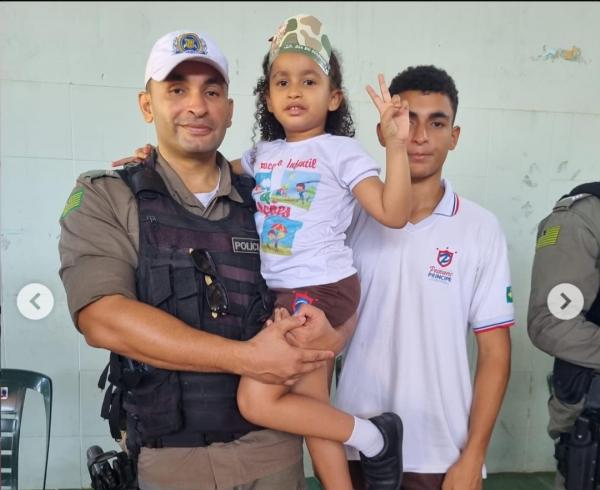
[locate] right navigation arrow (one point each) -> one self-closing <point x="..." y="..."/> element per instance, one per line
<point x="567" y="301"/>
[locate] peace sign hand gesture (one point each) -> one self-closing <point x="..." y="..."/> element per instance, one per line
<point x="393" y="111"/>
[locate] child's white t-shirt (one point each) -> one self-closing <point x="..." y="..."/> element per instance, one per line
<point x="304" y="202"/>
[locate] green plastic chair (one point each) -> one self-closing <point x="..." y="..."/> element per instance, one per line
<point x="14" y="383"/>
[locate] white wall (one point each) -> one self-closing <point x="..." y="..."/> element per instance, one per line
<point x="69" y="75"/>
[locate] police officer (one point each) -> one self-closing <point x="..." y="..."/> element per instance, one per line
<point x="564" y="320"/>
<point x="160" y="267"/>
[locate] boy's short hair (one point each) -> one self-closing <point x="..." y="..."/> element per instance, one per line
<point x="426" y="78"/>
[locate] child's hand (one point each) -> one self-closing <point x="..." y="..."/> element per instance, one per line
<point x="393" y="111"/>
<point x="293" y="339"/>
<point x="140" y="154"/>
<point x="315" y="332"/>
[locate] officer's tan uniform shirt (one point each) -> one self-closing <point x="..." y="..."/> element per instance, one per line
<point x="98" y="251"/>
<point x="99" y="238"/>
<point x="567" y="251"/>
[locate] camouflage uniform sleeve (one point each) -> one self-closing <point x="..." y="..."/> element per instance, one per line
<point x="98" y="241"/>
<point x="567" y="251"/>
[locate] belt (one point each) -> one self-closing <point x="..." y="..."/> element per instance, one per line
<point x="197" y="439"/>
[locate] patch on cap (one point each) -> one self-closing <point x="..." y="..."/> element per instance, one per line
<point x="189" y="43"/>
<point x="302" y="34"/>
<point x="178" y="46"/>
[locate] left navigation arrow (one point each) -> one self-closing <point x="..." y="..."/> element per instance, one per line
<point x="35" y="301"/>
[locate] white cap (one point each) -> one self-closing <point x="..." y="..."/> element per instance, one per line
<point x="178" y="46"/>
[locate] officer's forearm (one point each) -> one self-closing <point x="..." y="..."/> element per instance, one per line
<point x="151" y="336"/>
<point x="491" y="379"/>
<point x="576" y="340"/>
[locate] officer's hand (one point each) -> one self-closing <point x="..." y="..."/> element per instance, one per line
<point x="316" y="332"/>
<point x="465" y="474"/>
<point x="271" y="359"/>
<point x="139" y="155"/>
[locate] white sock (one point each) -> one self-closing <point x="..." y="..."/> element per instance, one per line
<point x="366" y="438"/>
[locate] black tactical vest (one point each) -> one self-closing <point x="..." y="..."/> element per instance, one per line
<point x="178" y="408"/>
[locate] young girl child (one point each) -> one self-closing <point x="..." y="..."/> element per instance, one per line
<point x="309" y="172"/>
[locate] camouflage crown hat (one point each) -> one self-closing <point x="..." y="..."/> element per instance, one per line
<point x="304" y="34"/>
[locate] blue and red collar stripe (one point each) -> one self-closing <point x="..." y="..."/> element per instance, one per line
<point x="456" y="204"/>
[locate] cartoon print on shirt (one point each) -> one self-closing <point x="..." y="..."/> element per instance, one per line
<point x="276" y="198"/>
<point x="301" y="190"/>
<point x="262" y="187"/>
<point x="298" y="188"/>
<point x="265" y="199"/>
<point x="281" y="192"/>
<point x="278" y="234"/>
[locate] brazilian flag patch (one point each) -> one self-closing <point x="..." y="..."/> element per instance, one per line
<point x="74" y="201"/>
<point x="509" y="294"/>
<point x="548" y="237"/>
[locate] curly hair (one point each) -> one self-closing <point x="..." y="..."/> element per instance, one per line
<point x="338" y="123"/>
<point x="426" y="78"/>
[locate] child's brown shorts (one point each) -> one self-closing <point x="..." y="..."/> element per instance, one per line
<point x="339" y="300"/>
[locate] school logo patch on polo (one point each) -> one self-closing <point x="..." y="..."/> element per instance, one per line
<point x="444" y="258"/>
<point x="74" y="202"/>
<point x="439" y="272"/>
<point x="509" y="297"/>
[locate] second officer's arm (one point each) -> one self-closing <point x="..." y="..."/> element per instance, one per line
<point x="567" y="251"/>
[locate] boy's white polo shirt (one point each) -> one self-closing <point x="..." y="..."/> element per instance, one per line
<point x="426" y="285"/>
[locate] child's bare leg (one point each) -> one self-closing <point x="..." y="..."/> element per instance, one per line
<point x="305" y="411"/>
<point x="275" y="407"/>
<point x="325" y="454"/>
<point x="309" y="414"/>
<point x="328" y="457"/>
